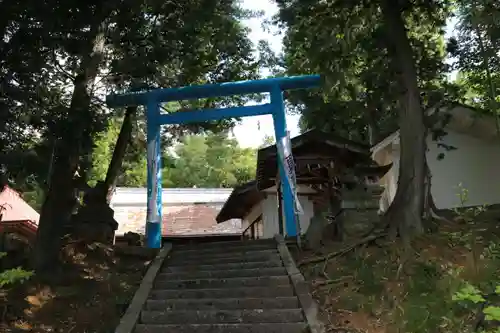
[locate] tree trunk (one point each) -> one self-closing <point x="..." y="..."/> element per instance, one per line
<point x="431" y="212"/>
<point x="372" y="125"/>
<point x="58" y="205"/>
<point x="119" y="152"/>
<point x="335" y="205"/>
<point x="405" y="213"/>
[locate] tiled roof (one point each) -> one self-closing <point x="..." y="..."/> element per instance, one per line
<point x="186" y="211"/>
<point x="187" y="219"/>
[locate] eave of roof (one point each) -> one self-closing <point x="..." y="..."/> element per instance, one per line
<point x="242" y="198"/>
<point x="318" y="136"/>
<point x="465" y="120"/>
<point x="25" y="227"/>
<point x="312" y="147"/>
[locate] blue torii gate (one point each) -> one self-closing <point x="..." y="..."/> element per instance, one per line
<point x="154" y="118"/>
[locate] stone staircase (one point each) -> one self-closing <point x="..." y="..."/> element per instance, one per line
<point x="223" y="287"/>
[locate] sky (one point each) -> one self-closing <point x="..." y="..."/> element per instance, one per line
<point x="252" y="130"/>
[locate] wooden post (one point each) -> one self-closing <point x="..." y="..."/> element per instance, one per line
<point x="280" y="205"/>
<point x="334" y="210"/>
<point x="280" y="208"/>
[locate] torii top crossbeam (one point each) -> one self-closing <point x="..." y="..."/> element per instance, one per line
<point x="212" y="90"/>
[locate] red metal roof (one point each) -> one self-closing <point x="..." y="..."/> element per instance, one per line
<point x="16" y="209"/>
<point x="17" y="215"/>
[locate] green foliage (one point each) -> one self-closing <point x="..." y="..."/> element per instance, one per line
<point x="15" y="275"/>
<point x="134" y="171"/>
<point x="482" y="300"/>
<point x="475" y="48"/>
<point x="421" y="292"/>
<point x="267" y="141"/>
<point x="492" y="313"/>
<point x="197" y="42"/>
<point x="12" y="276"/>
<point x="203" y="160"/>
<point x="346" y="42"/>
<point x="211" y="160"/>
<point x="34" y="197"/>
<point x="468" y="293"/>
<point x="465" y="213"/>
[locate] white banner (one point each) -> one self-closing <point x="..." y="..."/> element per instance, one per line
<point x="152" y="213"/>
<point x="284" y="146"/>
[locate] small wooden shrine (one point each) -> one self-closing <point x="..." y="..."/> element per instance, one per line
<point x="334" y="169"/>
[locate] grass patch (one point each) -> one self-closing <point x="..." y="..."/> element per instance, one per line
<point x="381" y="288"/>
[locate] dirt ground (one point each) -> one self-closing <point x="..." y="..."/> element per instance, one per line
<point x="89" y="294"/>
<point x="378" y="287"/>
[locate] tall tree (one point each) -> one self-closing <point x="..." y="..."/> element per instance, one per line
<point x="380" y="59"/>
<point x="475" y="49"/>
<point x="203" y="160"/>
<point x="360" y="95"/>
<point x="211" y="160"/>
<point x="60" y="57"/>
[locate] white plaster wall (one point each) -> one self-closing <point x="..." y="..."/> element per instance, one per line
<point x="305" y="219"/>
<point x="388" y="155"/>
<point x="270" y="215"/>
<point x="252" y="215"/>
<point x="475" y="163"/>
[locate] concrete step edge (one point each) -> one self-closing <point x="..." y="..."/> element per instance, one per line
<point x="222" y="249"/>
<point x="233" y="279"/>
<point x="272" y="280"/>
<point x="226" y="266"/>
<point x="222" y="254"/>
<point x="229" y="259"/>
<point x="226" y="244"/>
<point x="288" y="286"/>
<point x="290" y="302"/>
<point x="248" y="272"/>
<point x="223" y="316"/>
<point x="224" y="328"/>
<point x="221" y="293"/>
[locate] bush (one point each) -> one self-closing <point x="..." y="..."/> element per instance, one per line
<point x="14" y="275"/>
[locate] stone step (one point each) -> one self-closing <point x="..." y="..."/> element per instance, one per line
<point x="250" y="272"/>
<point x="280" y="291"/>
<point x="223" y="304"/>
<point x="260" y="281"/>
<point x="235" y="243"/>
<point x="179" y="261"/>
<point x="226" y="254"/>
<point x="225" y="328"/>
<point x="222" y="249"/>
<point x="223" y="316"/>
<point x="225" y="246"/>
<point x="229" y="266"/>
